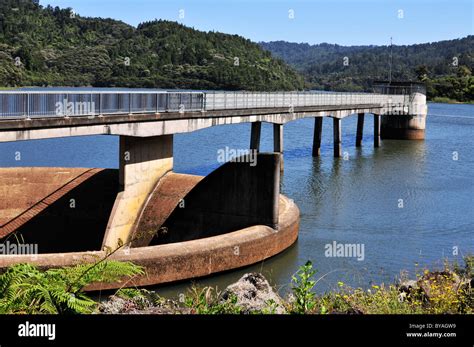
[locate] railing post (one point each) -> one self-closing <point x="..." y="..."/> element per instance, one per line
<point x="65" y="106"/>
<point x="129" y="104"/>
<point x="28" y="106"/>
<point x="100" y="105"/>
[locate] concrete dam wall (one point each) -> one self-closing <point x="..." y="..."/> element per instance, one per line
<point x="190" y="226"/>
<point x="66" y="210"/>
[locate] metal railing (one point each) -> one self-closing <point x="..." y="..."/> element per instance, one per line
<point x="20" y="104"/>
<point x="39" y="104"/>
<point x="239" y="100"/>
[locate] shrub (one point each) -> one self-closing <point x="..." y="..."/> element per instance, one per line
<point x="302" y="289"/>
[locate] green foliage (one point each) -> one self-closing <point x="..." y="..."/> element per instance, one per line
<point x="208" y="301"/>
<point x="377" y="300"/>
<point x="458" y="88"/>
<point x="433" y="63"/>
<point x="302" y="289"/>
<point x="57" y="49"/>
<point x="25" y="289"/>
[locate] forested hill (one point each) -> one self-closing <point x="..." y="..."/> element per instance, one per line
<point x="445" y="66"/>
<point x="46" y="46"/>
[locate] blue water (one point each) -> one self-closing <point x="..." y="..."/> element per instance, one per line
<point x="347" y="201"/>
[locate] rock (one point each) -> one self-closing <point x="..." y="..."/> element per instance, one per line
<point x="254" y="293"/>
<point x="406" y="289"/>
<point x="407" y="286"/>
<point x="116" y="305"/>
<point x="140" y="305"/>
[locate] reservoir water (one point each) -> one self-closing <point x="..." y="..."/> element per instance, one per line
<point x="409" y="203"/>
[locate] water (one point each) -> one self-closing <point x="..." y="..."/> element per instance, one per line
<point x="347" y="201"/>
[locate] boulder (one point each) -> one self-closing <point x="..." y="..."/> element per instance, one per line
<point x="406" y="289"/>
<point x="254" y="293"/>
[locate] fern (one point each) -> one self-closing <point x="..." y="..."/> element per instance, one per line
<point x="25" y="289"/>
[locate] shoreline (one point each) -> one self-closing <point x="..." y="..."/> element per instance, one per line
<point x="447" y="290"/>
<point x="437" y="291"/>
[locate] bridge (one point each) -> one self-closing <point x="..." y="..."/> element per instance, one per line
<point x="234" y="197"/>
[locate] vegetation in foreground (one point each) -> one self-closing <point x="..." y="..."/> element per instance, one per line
<point x="24" y="289"/>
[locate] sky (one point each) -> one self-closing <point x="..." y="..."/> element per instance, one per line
<point x="345" y="22"/>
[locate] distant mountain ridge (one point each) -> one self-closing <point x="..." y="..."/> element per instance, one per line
<point x="323" y="64"/>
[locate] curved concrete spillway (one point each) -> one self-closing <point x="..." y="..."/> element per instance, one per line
<point x="189" y="259"/>
<point x="231" y="218"/>
<point x="170" y="191"/>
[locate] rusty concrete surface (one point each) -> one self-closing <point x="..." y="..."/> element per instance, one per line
<point x="26" y="192"/>
<point x="35" y="207"/>
<point x="166" y="196"/>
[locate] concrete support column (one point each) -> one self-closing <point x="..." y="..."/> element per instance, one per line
<point x="360" y="129"/>
<point x="143" y="161"/>
<point x="377" y="130"/>
<point x="318" y="127"/>
<point x="278" y="142"/>
<point x="255" y="136"/>
<point x="337" y="137"/>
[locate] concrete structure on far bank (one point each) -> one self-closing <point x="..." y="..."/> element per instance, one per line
<point x="179" y="226"/>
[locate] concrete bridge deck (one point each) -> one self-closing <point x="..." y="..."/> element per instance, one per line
<point x="47" y="114"/>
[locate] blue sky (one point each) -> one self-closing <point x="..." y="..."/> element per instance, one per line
<point x="346" y="22"/>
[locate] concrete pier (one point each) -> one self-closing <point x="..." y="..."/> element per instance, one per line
<point x="376" y="130"/>
<point x="318" y="128"/>
<point x="278" y="142"/>
<point x="337" y="137"/>
<point x="143" y="161"/>
<point x="360" y="129"/>
<point x="255" y="136"/>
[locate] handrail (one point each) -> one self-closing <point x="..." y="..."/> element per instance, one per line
<point x="21" y="104"/>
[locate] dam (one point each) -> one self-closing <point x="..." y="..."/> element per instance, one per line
<point x="169" y="220"/>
